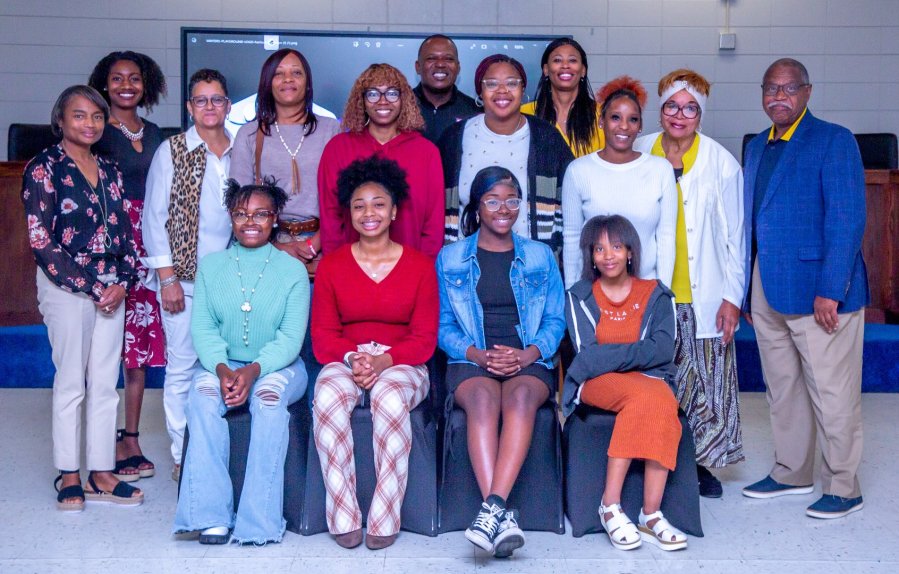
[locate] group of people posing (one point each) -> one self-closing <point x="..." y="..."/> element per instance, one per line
<point x="427" y="219"/>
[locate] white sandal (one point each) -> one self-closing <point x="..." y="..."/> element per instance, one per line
<point x="662" y="533"/>
<point x="621" y="530"/>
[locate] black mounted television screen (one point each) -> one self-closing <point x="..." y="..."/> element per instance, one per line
<point x="336" y="59"/>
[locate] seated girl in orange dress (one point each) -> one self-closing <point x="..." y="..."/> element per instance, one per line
<point x="622" y="328"/>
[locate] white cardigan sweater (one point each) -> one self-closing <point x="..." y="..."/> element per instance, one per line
<point x="713" y="214"/>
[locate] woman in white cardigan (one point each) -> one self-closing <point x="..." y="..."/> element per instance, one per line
<point x="619" y="180"/>
<point x="708" y="277"/>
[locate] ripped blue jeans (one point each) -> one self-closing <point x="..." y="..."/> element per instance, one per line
<point x="206" y="498"/>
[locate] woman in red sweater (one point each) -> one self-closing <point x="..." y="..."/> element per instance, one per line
<point x="374" y="325"/>
<point x="382" y="117"/>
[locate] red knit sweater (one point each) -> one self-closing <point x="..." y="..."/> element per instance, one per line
<point x="419" y="221"/>
<point x="349" y="309"/>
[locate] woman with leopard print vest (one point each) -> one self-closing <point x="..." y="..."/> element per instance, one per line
<point x="184" y="219"/>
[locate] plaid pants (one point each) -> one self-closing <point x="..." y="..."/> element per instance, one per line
<point x="399" y="390"/>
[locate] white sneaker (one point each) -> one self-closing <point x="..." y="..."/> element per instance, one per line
<point x="484" y="526"/>
<point x="509" y="537"/>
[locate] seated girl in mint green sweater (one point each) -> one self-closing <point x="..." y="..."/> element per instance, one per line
<point x="251" y="303"/>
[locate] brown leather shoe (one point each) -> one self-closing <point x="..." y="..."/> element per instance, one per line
<point x="378" y="542"/>
<point x="349" y="539"/>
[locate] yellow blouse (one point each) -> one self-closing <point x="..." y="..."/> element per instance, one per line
<point x="596" y="143"/>
<point x="680" y="282"/>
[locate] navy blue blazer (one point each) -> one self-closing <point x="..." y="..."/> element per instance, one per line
<point x="811" y="222"/>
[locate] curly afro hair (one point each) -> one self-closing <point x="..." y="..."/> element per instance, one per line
<point x="154" y="80"/>
<point x="621" y="87"/>
<point x="374" y="169"/>
<point x="354" y="116"/>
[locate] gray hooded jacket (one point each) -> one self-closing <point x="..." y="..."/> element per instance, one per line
<point x="652" y="354"/>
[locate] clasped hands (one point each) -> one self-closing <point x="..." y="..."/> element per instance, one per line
<point x="503" y="361"/>
<point x="236" y="383"/>
<point x="366" y="368"/>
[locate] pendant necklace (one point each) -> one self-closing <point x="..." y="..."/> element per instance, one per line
<point x="104" y="209"/>
<point x="294" y="167"/>
<point x="247" y="306"/>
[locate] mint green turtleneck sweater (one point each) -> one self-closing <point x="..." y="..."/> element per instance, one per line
<point x="277" y="321"/>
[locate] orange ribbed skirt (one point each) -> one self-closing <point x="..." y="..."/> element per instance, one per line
<point x="647" y="426"/>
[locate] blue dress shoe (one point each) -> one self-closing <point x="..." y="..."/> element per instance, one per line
<point x="770" y="488"/>
<point x="832" y="506"/>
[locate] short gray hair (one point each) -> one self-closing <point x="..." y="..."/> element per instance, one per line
<point x="790" y="63"/>
<point x="62" y="102"/>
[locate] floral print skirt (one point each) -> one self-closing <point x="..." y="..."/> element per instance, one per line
<point x="144" y="339"/>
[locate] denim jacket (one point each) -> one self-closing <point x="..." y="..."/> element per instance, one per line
<point x="536" y="284"/>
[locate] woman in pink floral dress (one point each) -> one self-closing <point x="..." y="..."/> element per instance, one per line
<point x="129" y="81"/>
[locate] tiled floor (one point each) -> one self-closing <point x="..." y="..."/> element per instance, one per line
<point x="742" y="535"/>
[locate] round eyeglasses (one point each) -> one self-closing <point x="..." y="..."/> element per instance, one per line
<point x="373" y="95"/>
<point x="690" y="111"/>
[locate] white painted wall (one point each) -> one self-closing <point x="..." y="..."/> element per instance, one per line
<point x="851" y="47"/>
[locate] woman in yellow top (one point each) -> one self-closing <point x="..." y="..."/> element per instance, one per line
<point x="708" y="271"/>
<point x="564" y="98"/>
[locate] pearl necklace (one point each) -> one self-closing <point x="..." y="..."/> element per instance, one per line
<point x="132" y="136"/>
<point x="246" y="306"/>
<point x="292" y="154"/>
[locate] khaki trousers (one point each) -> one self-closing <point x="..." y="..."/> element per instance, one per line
<point x="813" y="382"/>
<point x="87" y="351"/>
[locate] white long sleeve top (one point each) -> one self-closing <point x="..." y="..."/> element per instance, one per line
<point x="215" y="223"/>
<point x="642" y="190"/>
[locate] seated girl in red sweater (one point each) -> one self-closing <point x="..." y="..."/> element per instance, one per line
<point x="374" y="325"/>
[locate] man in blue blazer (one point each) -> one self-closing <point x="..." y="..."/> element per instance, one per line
<point x="805" y="217"/>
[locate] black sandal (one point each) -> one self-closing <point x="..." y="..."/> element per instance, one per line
<point x="71" y="491"/>
<point x="123" y="494"/>
<point x="132" y="461"/>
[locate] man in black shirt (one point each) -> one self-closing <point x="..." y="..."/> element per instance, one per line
<point x="440" y="102"/>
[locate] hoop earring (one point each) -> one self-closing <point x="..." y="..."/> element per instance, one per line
<point x="478" y="101"/>
<point x="367" y="120"/>
<point x="477" y="217"/>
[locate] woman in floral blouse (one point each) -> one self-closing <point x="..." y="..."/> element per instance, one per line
<point x="81" y="238"/>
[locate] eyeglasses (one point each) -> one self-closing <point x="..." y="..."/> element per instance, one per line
<point x="201" y="101"/>
<point x="690" y="111"/>
<point x="260" y="217"/>
<point x="513" y="203"/>
<point x="373" y="95"/>
<point x="789" y="89"/>
<point x="510" y="83"/>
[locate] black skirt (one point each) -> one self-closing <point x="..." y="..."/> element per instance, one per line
<point x="457" y="373"/>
